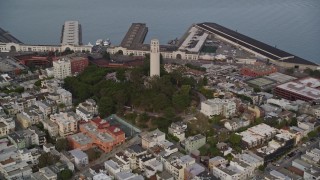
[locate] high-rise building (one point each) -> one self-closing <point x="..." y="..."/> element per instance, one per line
<point x="71" y="33"/>
<point x="62" y="68"/>
<point x="154" y="58"/>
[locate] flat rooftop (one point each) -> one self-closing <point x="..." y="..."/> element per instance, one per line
<point x="261" y="82"/>
<point x="255" y="45"/>
<point x="6" y="37"/>
<point x="194" y="41"/>
<point x="308" y="87"/>
<point x="280" y="78"/>
<point x="135" y="35"/>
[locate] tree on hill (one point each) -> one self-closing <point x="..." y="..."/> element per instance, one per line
<point x="65" y="174"/>
<point x="235" y="139"/>
<point x="62" y="144"/>
<point x="47" y="159"/>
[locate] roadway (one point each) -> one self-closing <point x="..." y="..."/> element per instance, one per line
<point x="105" y="156"/>
<point x="286" y="161"/>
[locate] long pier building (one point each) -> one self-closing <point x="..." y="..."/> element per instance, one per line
<point x="190" y="44"/>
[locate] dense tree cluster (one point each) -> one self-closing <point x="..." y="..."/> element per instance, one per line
<point x="47" y="159"/>
<point x="167" y="94"/>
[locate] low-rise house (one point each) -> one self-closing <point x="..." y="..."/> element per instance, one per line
<point x="127" y="175"/>
<point x="133" y="152"/>
<point x="224" y="148"/>
<point x="217" y="161"/>
<point x="29" y="155"/>
<point x="101" y="176"/>
<point x="307" y="123"/>
<point x="112" y="167"/>
<point x="193" y="142"/>
<point x="65" y="97"/>
<point x="122" y="160"/>
<point x="250" y="158"/>
<point x="276" y="147"/>
<point x="257" y="135"/>
<point x="47" y="107"/>
<point x="224" y="107"/>
<point x="164" y="175"/>
<point x="150" y="139"/>
<point x="178" y="129"/>
<point x="205" y="175"/>
<point x="153" y="167"/>
<point x="176" y="163"/>
<point x="9" y="124"/>
<point x="312" y="173"/>
<point x="87" y="110"/>
<point x="40" y="135"/>
<point x="314" y="153"/>
<point x="4" y="129"/>
<point x="144" y="159"/>
<point x="284" y="104"/>
<point x="11" y="169"/>
<point x="30" y="116"/>
<point x="81" y="159"/>
<point x="235" y="124"/>
<point x="237" y="170"/>
<point x="52" y="127"/>
<point x="193" y="170"/>
<point x="310" y="159"/>
<point x="44" y="174"/>
<point x="23" y="139"/>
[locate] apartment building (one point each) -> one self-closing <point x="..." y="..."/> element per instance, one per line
<point x="224" y="107"/>
<point x="150" y="139"/>
<point x="67" y="123"/>
<point x="178" y="129"/>
<point x="257" y="135"/>
<point x="61" y="68"/>
<point x="193" y="142"/>
<point x="176" y="163"/>
<point x="87" y="110"/>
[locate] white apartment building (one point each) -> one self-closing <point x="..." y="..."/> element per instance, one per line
<point x="216" y="106"/>
<point x="112" y="167"/>
<point x="176" y="163"/>
<point x="178" y="129"/>
<point x="81" y="159"/>
<point x="62" y="68"/>
<point x="152" y="138"/>
<point x="257" y="135"/>
<point x="86" y="110"/>
<point x="237" y="170"/>
<point x="67" y="123"/>
<point x="65" y="97"/>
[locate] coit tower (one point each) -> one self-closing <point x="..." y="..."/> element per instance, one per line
<point x="154" y="58"/>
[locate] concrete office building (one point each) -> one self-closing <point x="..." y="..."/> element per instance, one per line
<point x="154" y="58"/>
<point x="71" y="33"/>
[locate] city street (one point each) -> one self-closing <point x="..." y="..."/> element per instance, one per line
<point x="283" y="162"/>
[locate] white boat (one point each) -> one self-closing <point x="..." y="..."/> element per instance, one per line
<point x="99" y="42"/>
<point x="107" y="42"/>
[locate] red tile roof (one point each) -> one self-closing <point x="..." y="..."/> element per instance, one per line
<point x="115" y="130"/>
<point x="101" y="123"/>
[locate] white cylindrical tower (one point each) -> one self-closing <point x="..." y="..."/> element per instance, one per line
<point x="154" y="58"/>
